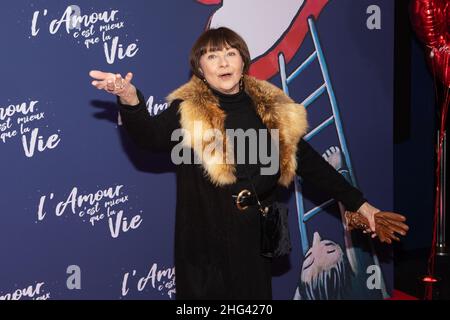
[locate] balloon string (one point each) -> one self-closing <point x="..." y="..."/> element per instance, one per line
<point x="430" y="267"/>
<point x="438" y="198"/>
<point x="433" y="65"/>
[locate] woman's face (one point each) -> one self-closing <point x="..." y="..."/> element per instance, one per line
<point x="322" y="256"/>
<point x="222" y="69"/>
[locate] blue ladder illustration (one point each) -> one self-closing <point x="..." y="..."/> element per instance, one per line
<point x="304" y="217"/>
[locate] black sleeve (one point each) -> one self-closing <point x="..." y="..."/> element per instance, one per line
<point x="316" y="170"/>
<point x="150" y="132"/>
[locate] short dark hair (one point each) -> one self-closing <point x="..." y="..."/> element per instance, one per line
<point x="214" y="40"/>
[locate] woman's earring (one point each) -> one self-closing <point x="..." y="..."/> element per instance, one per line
<point x="241" y="83"/>
<point x="203" y="76"/>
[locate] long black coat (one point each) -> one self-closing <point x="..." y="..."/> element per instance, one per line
<point x="217" y="253"/>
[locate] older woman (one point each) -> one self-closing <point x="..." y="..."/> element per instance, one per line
<point x="217" y="231"/>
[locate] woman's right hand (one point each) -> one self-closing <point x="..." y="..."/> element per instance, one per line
<point x="115" y="84"/>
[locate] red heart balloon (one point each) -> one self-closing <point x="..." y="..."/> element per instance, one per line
<point x="428" y="18"/>
<point x="447" y="10"/>
<point x="440" y="62"/>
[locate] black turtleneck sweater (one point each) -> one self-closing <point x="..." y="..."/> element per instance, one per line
<point x="241" y="114"/>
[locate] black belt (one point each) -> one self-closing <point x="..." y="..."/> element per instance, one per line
<point x="246" y="198"/>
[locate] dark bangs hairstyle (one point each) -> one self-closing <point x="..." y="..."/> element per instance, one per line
<point x="216" y="40"/>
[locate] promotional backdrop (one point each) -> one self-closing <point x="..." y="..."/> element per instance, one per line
<point x="85" y="214"/>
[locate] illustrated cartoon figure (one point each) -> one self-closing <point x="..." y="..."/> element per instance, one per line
<point x="326" y="273"/>
<point x="358" y="259"/>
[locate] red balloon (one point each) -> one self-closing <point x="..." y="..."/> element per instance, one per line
<point x="440" y="63"/>
<point x="447" y="10"/>
<point x="428" y="18"/>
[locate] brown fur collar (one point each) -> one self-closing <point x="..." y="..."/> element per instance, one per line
<point x="276" y="110"/>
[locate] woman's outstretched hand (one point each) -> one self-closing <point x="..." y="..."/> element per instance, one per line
<point x="115" y="84"/>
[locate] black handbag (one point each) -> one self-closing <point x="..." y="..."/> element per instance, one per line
<point x="275" y="237"/>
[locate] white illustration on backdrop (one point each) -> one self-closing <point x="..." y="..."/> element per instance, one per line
<point x="24" y="122"/>
<point x="267" y="15"/>
<point x="162" y="280"/>
<point x="91" y="30"/>
<point x="107" y="205"/>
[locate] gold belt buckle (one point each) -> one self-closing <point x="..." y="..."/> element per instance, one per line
<point x="243" y="193"/>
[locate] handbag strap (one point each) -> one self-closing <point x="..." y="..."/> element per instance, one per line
<point x="261" y="209"/>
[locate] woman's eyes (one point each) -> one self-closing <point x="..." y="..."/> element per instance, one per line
<point x="213" y="56"/>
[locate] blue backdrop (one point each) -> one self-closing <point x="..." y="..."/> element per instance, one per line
<point x="85" y="214"/>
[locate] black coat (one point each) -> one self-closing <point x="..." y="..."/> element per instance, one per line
<point x="217" y="254"/>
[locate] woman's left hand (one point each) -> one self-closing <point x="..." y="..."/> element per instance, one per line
<point x="383" y="224"/>
<point x="368" y="211"/>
